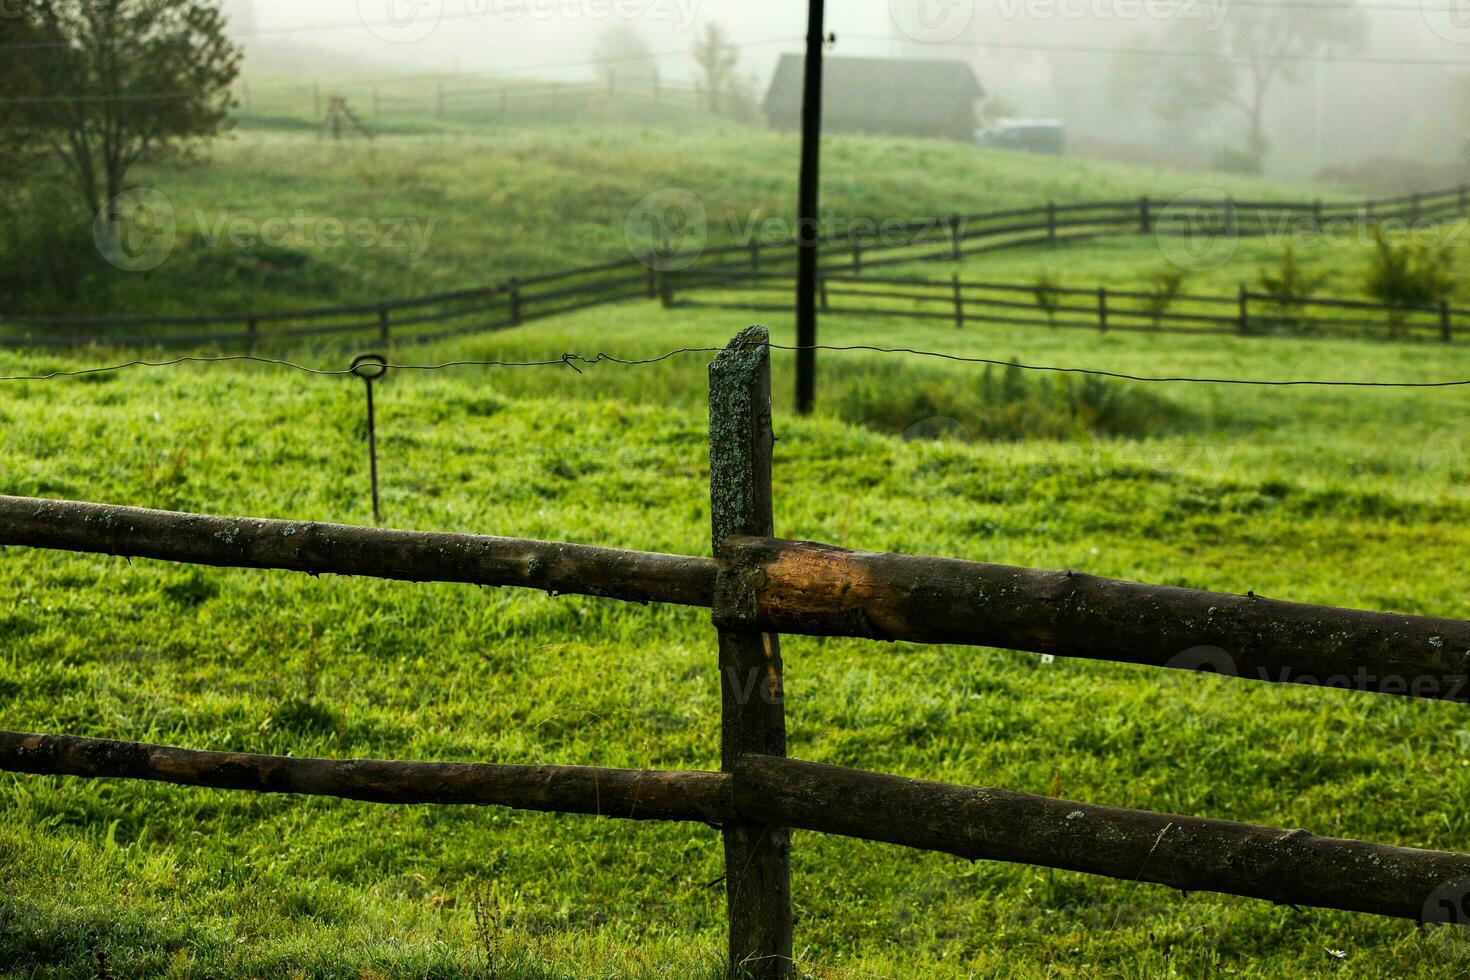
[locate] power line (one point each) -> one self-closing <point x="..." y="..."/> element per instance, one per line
<point x="509" y="70"/>
<point x="572" y="360"/>
<point x="1183" y="53"/>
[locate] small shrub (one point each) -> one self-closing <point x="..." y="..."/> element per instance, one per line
<point x="1047" y="298"/>
<point x="1287" y="285"/>
<point x="1163" y="290"/>
<point x="1001" y="404"/>
<point x="1408" y="273"/>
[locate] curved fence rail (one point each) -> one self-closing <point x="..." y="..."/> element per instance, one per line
<point x="964" y="301"/>
<point x="657" y="272"/>
<point x="757" y="587"/>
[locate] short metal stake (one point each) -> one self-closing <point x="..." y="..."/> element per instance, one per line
<point x="371" y="367"/>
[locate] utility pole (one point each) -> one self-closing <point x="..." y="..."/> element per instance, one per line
<point x="806" y="219"/>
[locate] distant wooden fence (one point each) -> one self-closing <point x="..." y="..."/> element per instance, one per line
<point x="964" y="301"/>
<point x="758" y="587"/>
<point x="659" y="273"/>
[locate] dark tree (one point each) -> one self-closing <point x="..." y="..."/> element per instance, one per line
<point x="109" y="82"/>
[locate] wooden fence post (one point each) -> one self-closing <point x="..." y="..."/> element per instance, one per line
<point x="1102" y="308"/>
<point x="752" y="691"/>
<point x="826" y="303"/>
<point x="1051" y="221"/>
<point x="755" y="254"/>
<point x="383" y="326"/>
<point x="1444" y="320"/>
<point x="515" y="301"/>
<point x="954" y="236"/>
<point x="959" y="303"/>
<point x="650" y="260"/>
<point x="252" y="335"/>
<point x="1145" y="218"/>
<point x="1245" y="311"/>
<point x="665" y="285"/>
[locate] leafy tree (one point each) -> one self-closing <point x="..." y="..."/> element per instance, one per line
<point x="1243" y="60"/>
<point x="623" y="57"/>
<point x="118" y="80"/>
<point x="716" y="58"/>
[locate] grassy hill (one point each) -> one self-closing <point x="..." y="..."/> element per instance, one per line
<point x="1345" y="496"/>
<point x="1342" y="496"/>
<point x="477" y="205"/>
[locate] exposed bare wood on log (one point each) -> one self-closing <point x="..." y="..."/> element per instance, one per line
<point x="625" y="793"/>
<point x="798" y="587"/>
<point x="752" y="700"/>
<point x="1290" y="867"/>
<point x="306" y="546"/>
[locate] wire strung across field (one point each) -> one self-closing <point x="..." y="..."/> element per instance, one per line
<point x="572" y="360"/>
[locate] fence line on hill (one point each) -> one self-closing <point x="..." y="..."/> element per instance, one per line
<point x="963" y="302"/>
<point x="659" y="273"/>
<point x="757" y="587"/>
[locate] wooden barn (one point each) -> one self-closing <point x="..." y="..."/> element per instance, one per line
<point x="902" y="96"/>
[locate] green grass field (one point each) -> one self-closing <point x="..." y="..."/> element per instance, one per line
<point x="1345" y="496"/>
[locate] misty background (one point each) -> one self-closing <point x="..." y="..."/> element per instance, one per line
<point x="1386" y="101"/>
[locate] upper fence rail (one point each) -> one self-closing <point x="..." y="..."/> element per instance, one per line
<point x="515" y="300"/>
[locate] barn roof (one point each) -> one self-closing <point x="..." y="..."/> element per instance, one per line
<point x="858" y="87"/>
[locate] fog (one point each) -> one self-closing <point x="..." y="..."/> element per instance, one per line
<point x="1329" y="108"/>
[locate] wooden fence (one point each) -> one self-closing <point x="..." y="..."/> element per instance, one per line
<point x="964" y="301"/>
<point x="760" y="262"/>
<point x="758" y="587"/>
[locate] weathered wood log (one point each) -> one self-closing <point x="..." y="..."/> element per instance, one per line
<point x="1289" y="867"/>
<point x="1189" y="853"/>
<point x="306" y="546"/>
<point x="626" y="793"/>
<point x="752" y="703"/>
<point x="797" y="587"/>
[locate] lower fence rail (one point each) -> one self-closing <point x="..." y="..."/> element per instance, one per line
<point x="1288" y="867"/>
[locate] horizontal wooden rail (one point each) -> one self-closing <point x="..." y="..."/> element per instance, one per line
<point x="816" y="590"/>
<point x="628" y="793"/>
<point x="1189" y="853"/>
<point x="336" y="549"/>
<point x="1289" y="867"/>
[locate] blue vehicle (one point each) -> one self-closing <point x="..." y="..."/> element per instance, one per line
<point x="1047" y="136"/>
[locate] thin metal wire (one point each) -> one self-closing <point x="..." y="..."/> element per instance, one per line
<point x="572" y="360"/>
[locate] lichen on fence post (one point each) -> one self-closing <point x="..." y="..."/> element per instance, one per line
<point x="753" y="719"/>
